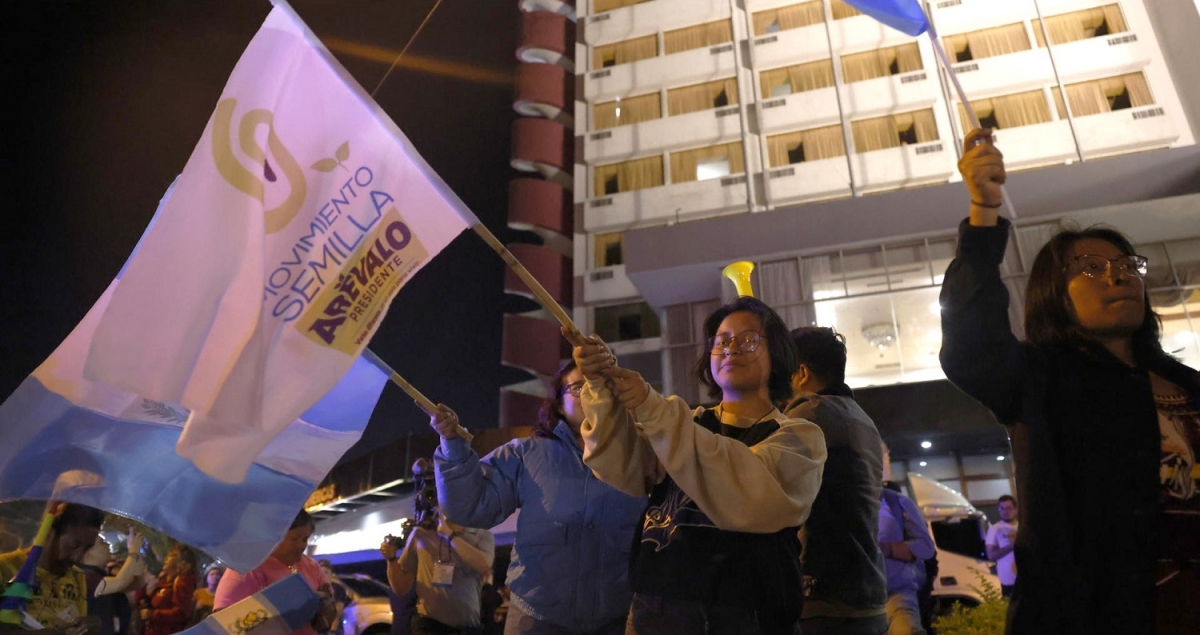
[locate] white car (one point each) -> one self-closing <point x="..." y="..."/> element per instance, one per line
<point x="369" y="611"/>
<point x="959" y="530"/>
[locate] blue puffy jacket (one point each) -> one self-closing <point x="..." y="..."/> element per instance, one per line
<point x="570" y="561"/>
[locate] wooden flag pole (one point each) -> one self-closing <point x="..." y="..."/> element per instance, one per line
<point x="423" y="402"/>
<point x="573" y="332"/>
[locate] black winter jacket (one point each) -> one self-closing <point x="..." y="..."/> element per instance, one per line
<point x="1086" y="447"/>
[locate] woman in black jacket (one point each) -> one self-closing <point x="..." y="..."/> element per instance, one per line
<point x="1104" y="424"/>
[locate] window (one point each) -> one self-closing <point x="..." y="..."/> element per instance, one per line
<point x="806" y="145"/>
<point x="1009" y="111"/>
<point x="629" y="176"/>
<point x="630" y="110"/>
<point x="707" y="163"/>
<point x="1105" y="95"/>
<point x="625" y="52"/>
<point x="894" y="131"/>
<point x="1081" y="25"/>
<point x="681" y="101"/>
<point x="977" y="45"/>
<point x="600" y="6"/>
<point x="841" y="10"/>
<point x="893" y="60"/>
<point x="792" y="17"/>
<point x="623" y="322"/>
<point x="609" y="250"/>
<point x="698" y="36"/>
<point x="797" y="79"/>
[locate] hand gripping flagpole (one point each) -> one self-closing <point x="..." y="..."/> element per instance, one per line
<point x="423" y="402"/>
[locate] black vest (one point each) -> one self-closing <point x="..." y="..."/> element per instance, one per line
<point x="679" y="554"/>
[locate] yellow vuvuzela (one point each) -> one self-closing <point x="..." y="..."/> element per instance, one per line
<point x="739" y="274"/>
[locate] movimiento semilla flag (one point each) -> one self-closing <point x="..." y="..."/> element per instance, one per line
<point x="57" y="423"/>
<point x="298" y="217"/>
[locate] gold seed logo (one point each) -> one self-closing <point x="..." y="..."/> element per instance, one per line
<point x="247" y="180"/>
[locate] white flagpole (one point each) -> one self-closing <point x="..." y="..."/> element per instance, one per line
<point x="962" y="96"/>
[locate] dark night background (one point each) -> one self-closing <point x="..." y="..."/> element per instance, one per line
<point x="106" y="101"/>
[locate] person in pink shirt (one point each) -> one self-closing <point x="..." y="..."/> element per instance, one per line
<point x="287" y="558"/>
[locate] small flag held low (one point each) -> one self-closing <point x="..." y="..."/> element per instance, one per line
<point x="280" y="609"/>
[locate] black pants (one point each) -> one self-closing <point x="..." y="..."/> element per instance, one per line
<point x="422" y="625"/>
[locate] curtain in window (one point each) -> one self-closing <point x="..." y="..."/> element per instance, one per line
<point x="684" y="164"/>
<point x="630" y="110"/>
<point x="884" y="132"/>
<point x="819" y="143"/>
<point x="790" y="17"/>
<point x="1080" y="25"/>
<point x="990" y="42"/>
<point x="1096" y="97"/>
<point x="798" y="78"/>
<point x="698" y="36"/>
<point x="681" y="101"/>
<point x="1011" y="111"/>
<point x="841" y="10"/>
<point x="606" y="245"/>
<point x="633" y="175"/>
<point x="878" y="63"/>
<point x="625" y="52"/>
<point x="922" y="123"/>
<point x="608" y="5"/>
<point x="875" y="134"/>
<point x="779" y="286"/>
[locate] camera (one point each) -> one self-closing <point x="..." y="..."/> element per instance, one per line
<point x="425" y="497"/>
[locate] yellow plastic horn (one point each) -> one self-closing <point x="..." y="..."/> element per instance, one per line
<point x="739" y="274"/>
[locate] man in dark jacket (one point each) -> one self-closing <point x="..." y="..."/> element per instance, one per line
<point x="845" y="588"/>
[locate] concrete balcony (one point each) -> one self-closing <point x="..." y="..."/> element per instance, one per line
<point x="706" y="127"/>
<point x="607" y="284"/>
<point x="681" y="69"/>
<point x="665" y="204"/>
<point x="648" y="18"/>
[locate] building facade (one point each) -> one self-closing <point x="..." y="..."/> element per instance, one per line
<point x="693" y="112"/>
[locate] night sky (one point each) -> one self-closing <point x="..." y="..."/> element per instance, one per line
<point x="107" y="100"/>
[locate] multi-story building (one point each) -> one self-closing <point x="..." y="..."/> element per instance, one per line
<point x="821" y="145"/>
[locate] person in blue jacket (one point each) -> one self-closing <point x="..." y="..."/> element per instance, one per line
<point x="569" y="573"/>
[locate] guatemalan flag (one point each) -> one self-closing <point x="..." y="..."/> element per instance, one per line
<point x="903" y="15"/>
<point x="58" y="422"/>
<point x="218" y="379"/>
<point x="298" y="217"/>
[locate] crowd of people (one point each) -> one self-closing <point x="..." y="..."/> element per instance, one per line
<point x="768" y="513"/>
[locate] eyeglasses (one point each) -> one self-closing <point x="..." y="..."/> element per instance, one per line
<point x="573" y="389"/>
<point x="1094" y="266"/>
<point x="746" y="342"/>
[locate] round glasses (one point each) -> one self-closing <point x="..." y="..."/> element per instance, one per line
<point x="573" y="389"/>
<point x="1094" y="266"/>
<point x="746" y="342"/>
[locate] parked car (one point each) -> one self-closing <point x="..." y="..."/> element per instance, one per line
<point x="959" y="530"/>
<point x="369" y="612"/>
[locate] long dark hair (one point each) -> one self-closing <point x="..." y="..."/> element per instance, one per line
<point x="550" y="413"/>
<point x="779" y="346"/>
<point x="1047" y="320"/>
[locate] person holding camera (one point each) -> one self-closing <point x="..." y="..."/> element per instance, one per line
<point x="569" y="573"/>
<point x="446" y="564"/>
